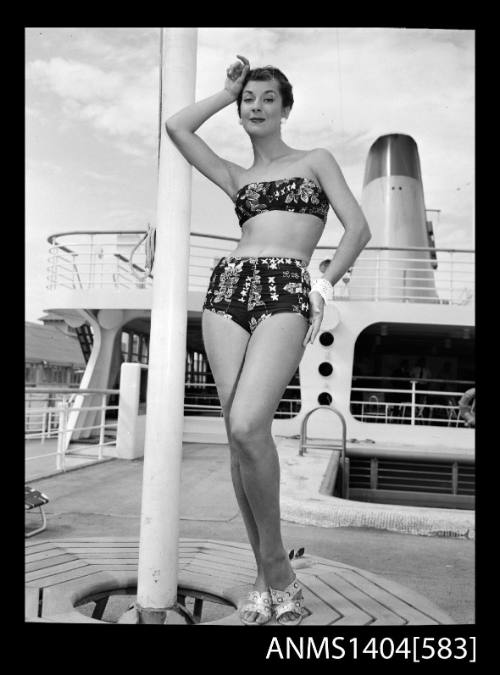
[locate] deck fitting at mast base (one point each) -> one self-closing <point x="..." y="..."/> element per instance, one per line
<point x="176" y="615"/>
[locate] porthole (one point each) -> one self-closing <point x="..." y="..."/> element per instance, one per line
<point x="325" y="398"/>
<point x="325" y="368"/>
<point x="326" y="338"/>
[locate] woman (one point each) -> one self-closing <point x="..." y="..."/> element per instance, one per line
<point x="258" y="314"/>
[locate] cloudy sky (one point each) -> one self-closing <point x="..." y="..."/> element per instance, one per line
<point x="92" y="122"/>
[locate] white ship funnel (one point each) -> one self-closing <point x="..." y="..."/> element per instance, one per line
<point x="393" y="203"/>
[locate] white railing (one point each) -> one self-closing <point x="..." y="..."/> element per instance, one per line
<point x="47" y="429"/>
<point x="416" y="404"/>
<point x="411" y="275"/>
<point x="88" y="260"/>
<point x="287" y="407"/>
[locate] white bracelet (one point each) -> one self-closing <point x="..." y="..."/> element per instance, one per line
<point x="323" y="287"/>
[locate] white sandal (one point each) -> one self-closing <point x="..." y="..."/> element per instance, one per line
<point x="260" y="603"/>
<point x="289" y="600"/>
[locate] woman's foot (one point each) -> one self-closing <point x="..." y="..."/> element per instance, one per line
<point x="257" y="610"/>
<point x="281" y="579"/>
<point x="287" y="603"/>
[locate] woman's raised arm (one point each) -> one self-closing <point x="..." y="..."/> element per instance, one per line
<point x="181" y="128"/>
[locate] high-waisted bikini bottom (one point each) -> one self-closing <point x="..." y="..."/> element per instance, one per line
<point x="248" y="290"/>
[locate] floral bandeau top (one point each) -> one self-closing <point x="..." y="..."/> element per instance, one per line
<point x="300" y="195"/>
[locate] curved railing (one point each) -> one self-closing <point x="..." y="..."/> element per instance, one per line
<point x="329" y="445"/>
<point x="84" y="260"/>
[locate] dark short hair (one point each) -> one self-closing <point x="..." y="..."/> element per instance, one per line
<point x="269" y="73"/>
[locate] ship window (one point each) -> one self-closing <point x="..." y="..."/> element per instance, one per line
<point x="412" y="373"/>
<point x="125" y="346"/>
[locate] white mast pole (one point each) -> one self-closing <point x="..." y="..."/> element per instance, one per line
<point x="158" y="545"/>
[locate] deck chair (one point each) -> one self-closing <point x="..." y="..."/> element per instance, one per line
<point x="34" y="499"/>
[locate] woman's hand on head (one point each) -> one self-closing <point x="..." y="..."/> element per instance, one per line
<point x="316" y="309"/>
<point x="236" y="74"/>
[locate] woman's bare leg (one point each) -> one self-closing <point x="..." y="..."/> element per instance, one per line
<point x="246" y="511"/>
<point x="272" y="357"/>
<point x="225" y="345"/>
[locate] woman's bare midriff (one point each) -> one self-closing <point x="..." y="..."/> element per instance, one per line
<point x="280" y="234"/>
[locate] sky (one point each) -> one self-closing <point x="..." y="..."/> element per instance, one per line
<point x="91" y="123"/>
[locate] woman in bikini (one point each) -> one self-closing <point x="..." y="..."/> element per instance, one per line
<point x="261" y="310"/>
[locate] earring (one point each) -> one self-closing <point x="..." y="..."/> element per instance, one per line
<point x="240" y="121"/>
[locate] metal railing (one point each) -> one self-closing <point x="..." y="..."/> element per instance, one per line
<point x="416" y="404"/>
<point x="85" y="260"/>
<point x="329" y="445"/>
<point x="47" y="417"/>
<point x="287" y="407"/>
<point x="412" y="405"/>
<point x="409" y="274"/>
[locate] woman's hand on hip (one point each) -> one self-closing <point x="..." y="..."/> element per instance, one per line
<point x="236" y="74"/>
<point x="316" y="309"/>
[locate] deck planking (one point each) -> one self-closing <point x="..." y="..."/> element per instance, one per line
<point x="64" y="571"/>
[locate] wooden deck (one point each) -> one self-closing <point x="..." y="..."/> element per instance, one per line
<point x="61" y="573"/>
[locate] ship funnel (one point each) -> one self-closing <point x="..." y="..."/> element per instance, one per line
<point x="393" y="203"/>
<point x="392" y="155"/>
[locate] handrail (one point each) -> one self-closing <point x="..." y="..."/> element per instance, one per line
<point x="53" y="421"/>
<point x="409" y="379"/>
<point x="412" y="248"/>
<point x="343" y="460"/>
<point x="382" y="273"/>
<point x="51" y="238"/>
<point x="74" y="390"/>
<point x="421" y="403"/>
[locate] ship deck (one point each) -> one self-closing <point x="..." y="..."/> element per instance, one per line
<point x="101" y="502"/>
